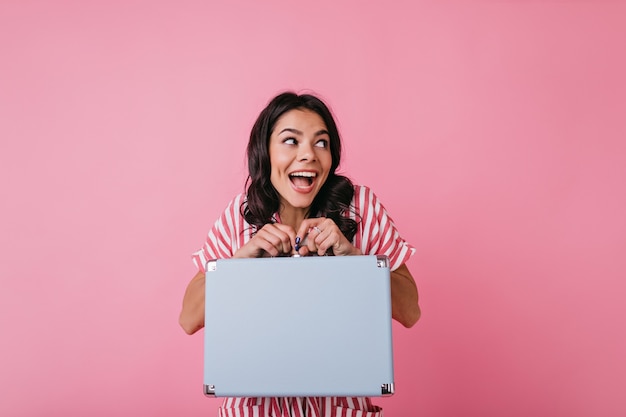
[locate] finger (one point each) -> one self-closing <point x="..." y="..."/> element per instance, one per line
<point x="322" y="240"/>
<point x="285" y="228"/>
<point x="304" y="251"/>
<point x="329" y="241"/>
<point x="313" y="240"/>
<point x="307" y="224"/>
<point x="276" y="239"/>
<point x="267" y="242"/>
<point x="287" y="236"/>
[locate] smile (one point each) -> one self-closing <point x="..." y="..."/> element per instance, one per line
<point x="302" y="179"/>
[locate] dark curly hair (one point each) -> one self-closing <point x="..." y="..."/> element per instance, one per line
<point x="333" y="199"/>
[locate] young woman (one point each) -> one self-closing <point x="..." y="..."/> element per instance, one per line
<point x="295" y="201"/>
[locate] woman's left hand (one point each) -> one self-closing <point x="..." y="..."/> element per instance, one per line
<point x="321" y="235"/>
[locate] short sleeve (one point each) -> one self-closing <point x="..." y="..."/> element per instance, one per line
<point x="377" y="234"/>
<point x="222" y="240"/>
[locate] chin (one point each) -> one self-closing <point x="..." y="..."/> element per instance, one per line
<point x="299" y="203"/>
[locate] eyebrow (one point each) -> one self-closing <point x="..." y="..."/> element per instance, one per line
<point x="297" y="132"/>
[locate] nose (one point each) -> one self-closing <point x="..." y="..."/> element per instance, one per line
<point x="306" y="152"/>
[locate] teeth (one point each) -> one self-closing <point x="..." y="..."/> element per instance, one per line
<point x="303" y="174"/>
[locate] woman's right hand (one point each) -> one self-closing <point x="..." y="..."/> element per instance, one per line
<point x="273" y="239"/>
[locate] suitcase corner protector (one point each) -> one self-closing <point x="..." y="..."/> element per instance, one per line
<point x="209" y="390"/>
<point x="387" y="390"/>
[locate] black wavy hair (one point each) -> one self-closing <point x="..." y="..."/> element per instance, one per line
<point x="333" y="199"/>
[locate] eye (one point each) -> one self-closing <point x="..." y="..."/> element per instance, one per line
<point x="290" y="141"/>
<point x="323" y="143"/>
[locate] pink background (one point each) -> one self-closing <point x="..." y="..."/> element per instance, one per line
<point x="494" y="132"/>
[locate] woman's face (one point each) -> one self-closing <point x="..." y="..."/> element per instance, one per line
<point x="300" y="157"/>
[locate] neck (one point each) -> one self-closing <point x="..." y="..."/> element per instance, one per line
<point x="293" y="216"/>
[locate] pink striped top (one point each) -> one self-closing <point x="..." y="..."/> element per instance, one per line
<point x="376" y="232"/>
<point x="376" y="235"/>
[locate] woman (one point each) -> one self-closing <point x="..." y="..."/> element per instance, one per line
<point x="295" y="202"/>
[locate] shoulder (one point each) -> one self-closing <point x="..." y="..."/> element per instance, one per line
<point x="361" y="189"/>
<point x="364" y="195"/>
<point x="237" y="201"/>
<point x="233" y="211"/>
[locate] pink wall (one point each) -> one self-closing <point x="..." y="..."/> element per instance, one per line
<point x="493" y="132"/>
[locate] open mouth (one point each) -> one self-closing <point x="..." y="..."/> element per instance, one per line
<point x="302" y="179"/>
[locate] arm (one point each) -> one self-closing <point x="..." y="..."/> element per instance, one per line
<point x="404" y="301"/>
<point x="191" y="317"/>
<point x="404" y="298"/>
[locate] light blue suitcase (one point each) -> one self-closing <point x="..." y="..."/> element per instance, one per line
<point x="298" y="327"/>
